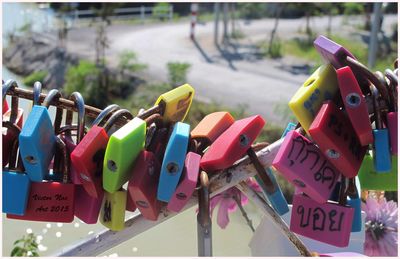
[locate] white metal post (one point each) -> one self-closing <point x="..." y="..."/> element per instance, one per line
<point x="194" y="8"/>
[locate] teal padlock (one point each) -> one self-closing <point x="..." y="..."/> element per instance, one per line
<point x="37" y="139"/>
<point x="173" y="161"/>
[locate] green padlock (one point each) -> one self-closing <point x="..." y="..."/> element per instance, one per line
<point x="371" y="180"/>
<point x="122" y="149"/>
<point x="112" y="213"/>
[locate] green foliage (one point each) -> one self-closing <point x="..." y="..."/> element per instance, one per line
<point x="237" y="34"/>
<point x="26" y="246"/>
<point x="128" y="61"/>
<point x="34" y="77"/>
<point x="251" y="10"/>
<point x="177" y="73"/>
<point x="353" y="8"/>
<point x="275" y="51"/>
<point x="26" y="27"/>
<point x="76" y="76"/>
<point x="161" y="11"/>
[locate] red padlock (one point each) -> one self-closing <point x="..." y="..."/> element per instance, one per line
<point x="87" y="208"/>
<point x="355" y="104"/>
<point x="336" y="138"/>
<point x="232" y="144"/>
<point x="88" y="155"/>
<point x="5" y="107"/>
<point x="52" y="201"/>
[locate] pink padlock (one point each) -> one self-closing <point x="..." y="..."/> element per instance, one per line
<point x="87" y="208"/>
<point x="188" y="183"/>
<point x="304" y="165"/>
<point x="329" y="222"/>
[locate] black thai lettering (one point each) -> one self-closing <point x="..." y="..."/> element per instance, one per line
<point x="335" y="225"/>
<point x="301" y="144"/>
<point x="107" y="211"/>
<point x="316" y="156"/>
<point x="325" y="173"/>
<point x="304" y="222"/>
<point x="319" y="219"/>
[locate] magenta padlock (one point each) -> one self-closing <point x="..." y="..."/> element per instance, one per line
<point x="87" y="208"/>
<point x="304" y="165"/>
<point x="331" y="52"/>
<point x="186" y="187"/>
<point x="328" y="222"/>
<point x="392" y="118"/>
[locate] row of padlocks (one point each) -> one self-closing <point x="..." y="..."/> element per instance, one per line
<point x="345" y="141"/>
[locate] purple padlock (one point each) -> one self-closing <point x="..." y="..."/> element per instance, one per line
<point x="331" y="52"/>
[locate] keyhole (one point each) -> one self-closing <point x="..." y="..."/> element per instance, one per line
<point x="244" y="140"/>
<point x="30" y="159"/>
<point x="353" y="100"/>
<point x="310" y="82"/>
<point x="331" y="153"/>
<point x="172" y="168"/>
<point x="142" y="204"/>
<point x="181" y="196"/>
<point x="299" y="183"/>
<point x="112" y="165"/>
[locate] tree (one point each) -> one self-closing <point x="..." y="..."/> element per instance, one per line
<point x="278" y="12"/>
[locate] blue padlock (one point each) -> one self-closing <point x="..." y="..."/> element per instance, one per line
<point x="381" y="147"/>
<point x="289" y="127"/>
<point x="173" y="161"/>
<point x="37" y="140"/>
<point x="16" y="184"/>
<point x="277" y="199"/>
<point x="354" y="201"/>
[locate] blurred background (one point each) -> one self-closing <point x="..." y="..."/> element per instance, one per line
<point x="246" y="58"/>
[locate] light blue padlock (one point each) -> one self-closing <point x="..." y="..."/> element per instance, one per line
<point x="173" y="161"/>
<point x="289" y="127"/>
<point x="16" y="184"/>
<point x="381" y="147"/>
<point x="37" y="140"/>
<point x="354" y="201"/>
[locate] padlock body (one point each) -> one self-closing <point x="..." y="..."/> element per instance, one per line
<point x="49" y="202"/>
<point x="73" y="173"/>
<point x="16" y="187"/>
<point x="87" y="208"/>
<point x="289" y="127"/>
<point x="5" y="107"/>
<point x="112" y="213"/>
<point x="37" y="143"/>
<point x="8" y="138"/>
<point x="186" y="187"/>
<point x="122" y="150"/>
<point x="355" y="203"/>
<point x="130" y="204"/>
<point x="232" y="144"/>
<point x="319" y="87"/>
<point x="382" y="157"/>
<point x="336" y="138"/>
<point x="392" y="118"/>
<point x="177" y="103"/>
<point x="87" y="159"/>
<point x="142" y="187"/>
<point x="372" y="180"/>
<point x="212" y="126"/>
<point x="355" y="104"/>
<point x="173" y="162"/>
<point x="303" y="164"/>
<point x="330" y="51"/>
<point x="277" y="199"/>
<point x="19" y="121"/>
<point x="328" y="222"/>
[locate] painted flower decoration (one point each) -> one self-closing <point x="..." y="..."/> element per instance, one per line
<point x="228" y="202"/>
<point x="380" y="227"/>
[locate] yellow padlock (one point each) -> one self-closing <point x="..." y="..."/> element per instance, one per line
<point x="176" y="103"/>
<point x="112" y="213"/>
<point x="322" y="85"/>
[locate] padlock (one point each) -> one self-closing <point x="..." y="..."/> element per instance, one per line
<point x="204" y="223"/>
<point x="290" y="126"/>
<point x="211" y="127"/>
<point x="332" y="131"/>
<point x="173" y="162"/>
<point x="112" y="213"/>
<point x="186" y="187"/>
<point x="87" y="208"/>
<point x="175" y="104"/>
<point x="392" y="120"/>
<point x="304" y="165"/>
<point x="80" y="133"/>
<point x="392" y="115"/>
<point x="372" y="180"/>
<point x="15" y="116"/>
<point x="87" y="157"/>
<point x="38" y="140"/>
<point x="142" y="187"/>
<point x="327" y="222"/>
<point x="16" y="183"/>
<point x="52" y="201"/>
<point x="232" y="144"/>
<point x="354" y="200"/>
<point x="122" y="150"/>
<point x="355" y="104"/>
<point x="331" y="52"/>
<point x="319" y="87"/>
<point x="130" y="204"/>
<point x="381" y="147"/>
